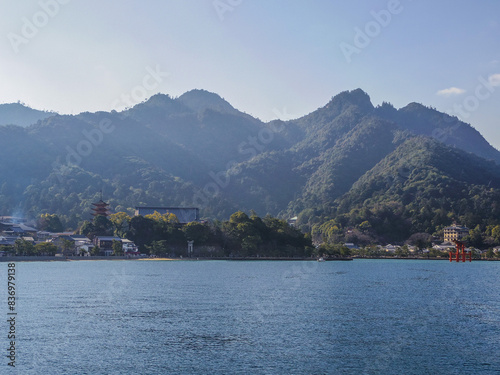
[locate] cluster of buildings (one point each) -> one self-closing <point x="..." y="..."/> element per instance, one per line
<point x="450" y="234"/>
<point x="70" y="244"/>
<point x="100" y="245"/>
<point x="67" y="243"/>
<point x="12" y="228"/>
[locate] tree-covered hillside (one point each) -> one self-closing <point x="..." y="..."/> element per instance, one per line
<point x="21" y="115"/>
<point x="348" y="170"/>
<point x="421" y="187"/>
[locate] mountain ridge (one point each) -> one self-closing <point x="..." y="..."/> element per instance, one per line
<point x="198" y="149"/>
<point x="21" y="115"/>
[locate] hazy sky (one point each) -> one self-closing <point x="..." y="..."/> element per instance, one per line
<point x="281" y="58"/>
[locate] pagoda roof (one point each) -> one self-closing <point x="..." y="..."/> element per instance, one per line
<point x="100" y="203"/>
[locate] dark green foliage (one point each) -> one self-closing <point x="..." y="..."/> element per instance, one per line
<point x="419" y="188"/>
<point x="67" y="246"/>
<point x="254" y="236"/>
<point x="141" y="231"/>
<point x="102" y="226"/>
<point x="239" y="236"/>
<point x="8" y="249"/>
<point x="333" y="251"/>
<point x="23" y="247"/>
<point x="45" y="248"/>
<point x="50" y="223"/>
<point x="349" y="171"/>
<point x="159" y="248"/>
<point x="117" y="248"/>
<point x="88" y="229"/>
<point x="420" y="240"/>
<point x="197" y="232"/>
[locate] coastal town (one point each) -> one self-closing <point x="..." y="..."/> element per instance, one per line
<point x="20" y="237"/>
<point x="17" y="231"/>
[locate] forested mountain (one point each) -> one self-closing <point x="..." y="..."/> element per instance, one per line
<point x="421" y="187"/>
<point x="348" y="170"/>
<point x="21" y="115"/>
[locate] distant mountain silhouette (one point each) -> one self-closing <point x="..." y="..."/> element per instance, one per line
<point x="21" y="115"/>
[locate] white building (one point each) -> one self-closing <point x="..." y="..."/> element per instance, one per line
<point x="129" y="248"/>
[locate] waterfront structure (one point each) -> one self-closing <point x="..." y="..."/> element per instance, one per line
<point x="461" y="253"/>
<point x="455" y="233"/>
<point x="391" y="248"/>
<point x="129" y="248"/>
<point x="184" y="214"/>
<point x="105" y="245"/>
<point x="351" y="246"/>
<point x="445" y="246"/>
<point x="65" y="244"/>
<point x="83" y="245"/>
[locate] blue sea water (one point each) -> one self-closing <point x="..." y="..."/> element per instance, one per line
<point x="255" y="317"/>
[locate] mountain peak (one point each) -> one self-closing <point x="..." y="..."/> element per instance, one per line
<point x="21" y="114"/>
<point x="348" y="99"/>
<point x="159" y="99"/>
<point x="199" y="100"/>
<point x="158" y="104"/>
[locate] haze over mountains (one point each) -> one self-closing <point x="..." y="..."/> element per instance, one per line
<point x="20" y="114"/>
<point x="346" y="169"/>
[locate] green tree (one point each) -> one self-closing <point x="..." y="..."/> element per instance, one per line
<point x="475" y="238"/>
<point x="117" y="248"/>
<point x="365" y="226"/>
<point x="121" y="223"/>
<point x="8" y="249"/>
<point x="95" y="251"/>
<point x="87" y="229"/>
<point x="495" y="233"/>
<point x="67" y="246"/>
<point x="334" y="250"/>
<point x="158" y="248"/>
<point x="50" y="223"/>
<point x="403" y="251"/>
<point x="250" y="245"/>
<point x="420" y="240"/>
<point x="197" y="232"/>
<point x="23" y="247"/>
<point x="165" y="218"/>
<point x="141" y="231"/>
<point x="239" y="217"/>
<point x="263" y="237"/>
<point x="46" y="248"/>
<point x="102" y="226"/>
<point x="165" y="227"/>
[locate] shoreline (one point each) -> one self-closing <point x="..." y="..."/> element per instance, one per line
<point x="113" y="258"/>
<point x="277" y="259"/>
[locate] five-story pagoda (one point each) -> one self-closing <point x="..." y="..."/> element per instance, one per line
<point x="100" y="208"/>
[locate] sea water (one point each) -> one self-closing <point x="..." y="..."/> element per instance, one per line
<point x="254" y="317"/>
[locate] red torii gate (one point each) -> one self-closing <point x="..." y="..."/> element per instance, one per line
<point x="460" y="252"/>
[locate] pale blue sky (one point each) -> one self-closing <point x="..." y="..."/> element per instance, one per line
<point x="267" y="58"/>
